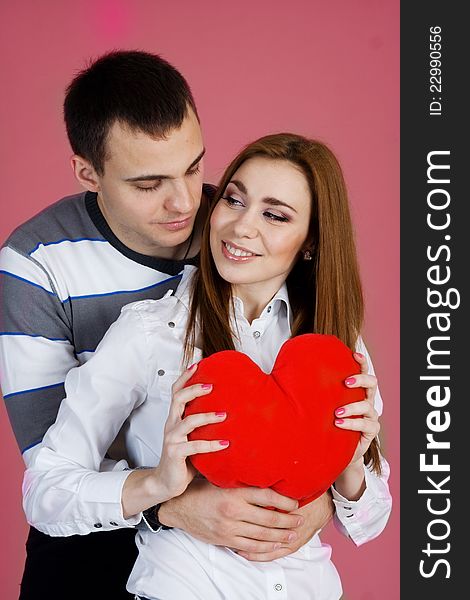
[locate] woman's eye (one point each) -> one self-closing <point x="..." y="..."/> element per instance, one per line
<point x="274" y="217"/>
<point x="231" y="201"/>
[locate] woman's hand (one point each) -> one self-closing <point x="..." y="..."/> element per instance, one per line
<point x="146" y="487"/>
<point x="366" y="417"/>
<point x="174" y="472"/>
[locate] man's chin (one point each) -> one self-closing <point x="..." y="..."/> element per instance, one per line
<point x="171" y="246"/>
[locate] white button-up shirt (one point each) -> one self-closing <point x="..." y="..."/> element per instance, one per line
<point x="68" y="490"/>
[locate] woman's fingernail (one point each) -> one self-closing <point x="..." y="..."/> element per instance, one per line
<point x="358" y="354"/>
<point x="192" y="366"/>
<point x="206" y="386"/>
<point x="224" y="442"/>
<point x="339" y="411"/>
<point x="350" y="381"/>
<point x="339" y="421"/>
<point x="276" y="546"/>
<point x="220" y="414"/>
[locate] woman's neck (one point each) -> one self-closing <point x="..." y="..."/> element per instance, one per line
<point x="255" y="297"/>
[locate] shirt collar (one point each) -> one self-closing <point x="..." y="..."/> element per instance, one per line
<point x="277" y="302"/>
<point x="183" y="291"/>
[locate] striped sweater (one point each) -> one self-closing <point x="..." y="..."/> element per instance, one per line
<point x="64" y="277"/>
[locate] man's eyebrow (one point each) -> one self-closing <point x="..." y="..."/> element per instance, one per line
<point x="152" y="177"/>
<point x="268" y="200"/>
<point x="195" y="161"/>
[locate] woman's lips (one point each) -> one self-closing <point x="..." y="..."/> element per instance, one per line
<point x="236" y="253"/>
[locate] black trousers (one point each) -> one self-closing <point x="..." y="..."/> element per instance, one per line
<point x="80" y="566"/>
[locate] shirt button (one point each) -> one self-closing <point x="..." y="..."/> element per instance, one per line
<point x="278" y="587"/>
<point x="160" y="372"/>
<point x="171" y="324"/>
<point x="269" y="309"/>
<point x="113" y="523"/>
<point x="256" y="334"/>
<point x="98" y="525"/>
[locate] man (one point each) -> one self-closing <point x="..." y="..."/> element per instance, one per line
<point x="65" y="274"/>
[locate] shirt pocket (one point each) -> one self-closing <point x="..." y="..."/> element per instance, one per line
<point x="148" y="420"/>
<point x="160" y="389"/>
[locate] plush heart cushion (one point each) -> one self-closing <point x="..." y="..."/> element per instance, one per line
<point x="280" y="425"/>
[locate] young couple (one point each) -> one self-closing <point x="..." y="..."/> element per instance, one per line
<point x="277" y="259"/>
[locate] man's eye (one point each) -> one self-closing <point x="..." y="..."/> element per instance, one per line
<point x="149" y="189"/>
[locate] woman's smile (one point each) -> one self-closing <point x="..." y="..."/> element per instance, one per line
<point x="237" y="253"/>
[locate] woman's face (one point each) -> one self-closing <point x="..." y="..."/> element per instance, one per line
<point x="260" y="224"/>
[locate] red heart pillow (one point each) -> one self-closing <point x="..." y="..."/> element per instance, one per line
<point x="280" y="425"/>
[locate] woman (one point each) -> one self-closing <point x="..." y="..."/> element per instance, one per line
<point x="277" y="260"/>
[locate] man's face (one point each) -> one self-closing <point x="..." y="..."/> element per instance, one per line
<point x="151" y="188"/>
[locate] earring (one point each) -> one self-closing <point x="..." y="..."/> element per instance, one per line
<point x="307" y="255"/>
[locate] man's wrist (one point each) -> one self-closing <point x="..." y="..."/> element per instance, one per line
<point x="165" y="515"/>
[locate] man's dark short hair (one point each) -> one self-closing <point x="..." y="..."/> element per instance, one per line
<point x="140" y="90"/>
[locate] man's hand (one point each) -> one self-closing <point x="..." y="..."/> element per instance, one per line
<point x="317" y="515"/>
<point x="235" y="518"/>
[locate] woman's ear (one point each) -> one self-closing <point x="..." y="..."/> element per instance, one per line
<point x="85" y="173"/>
<point x="308" y="250"/>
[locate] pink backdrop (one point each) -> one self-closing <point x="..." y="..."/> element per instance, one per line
<point x="325" y="69"/>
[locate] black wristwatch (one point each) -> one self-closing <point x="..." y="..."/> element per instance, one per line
<point x="150" y="518"/>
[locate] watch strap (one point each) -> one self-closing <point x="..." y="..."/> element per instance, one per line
<point x="151" y="520"/>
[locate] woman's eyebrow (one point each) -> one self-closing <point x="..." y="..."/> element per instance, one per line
<point x="241" y="186"/>
<point x="276" y="202"/>
<point x="268" y="200"/>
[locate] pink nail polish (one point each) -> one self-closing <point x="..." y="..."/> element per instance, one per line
<point x="220" y="414"/>
<point x="358" y="354"/>
<point x="339" y="411"/>
<point x="224" y="442"/>
<point x="339" y="421"/>
<point x="206" y="386"/>
<point x="350" y="381"/>
<point x="192" y="366"/>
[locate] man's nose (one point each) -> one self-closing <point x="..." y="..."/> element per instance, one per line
<point x="181" y="199"/>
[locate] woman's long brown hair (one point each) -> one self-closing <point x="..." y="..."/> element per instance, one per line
<point x="325" y="293"/>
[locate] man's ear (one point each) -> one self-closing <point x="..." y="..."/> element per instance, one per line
<point x="85" y="173"/>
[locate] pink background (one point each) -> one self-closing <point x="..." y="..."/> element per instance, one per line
<point x="324" y="69"/>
